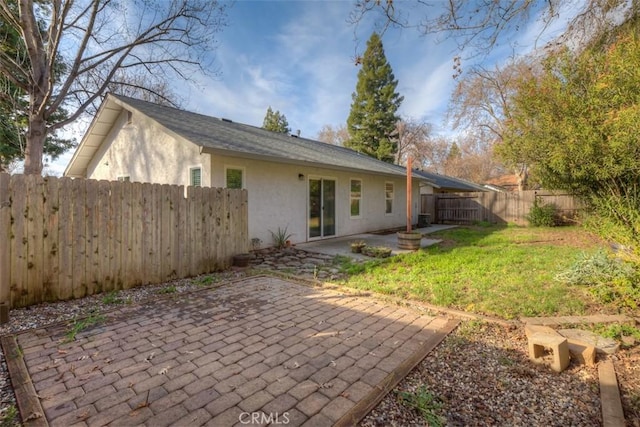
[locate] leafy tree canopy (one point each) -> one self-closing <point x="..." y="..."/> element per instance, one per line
<point x="275" y="122"/>
<point x="372" y="120"/>
<point x="577" y="126"/>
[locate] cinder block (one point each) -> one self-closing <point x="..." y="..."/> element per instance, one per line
<point x="558" y="345"/>
<point x="582" y="352"/>
<point x="534" y="329"/>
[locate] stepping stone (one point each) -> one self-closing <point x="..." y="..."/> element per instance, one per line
<point x="602" y="345"/>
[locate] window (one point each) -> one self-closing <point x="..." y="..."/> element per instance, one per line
<point x="388" y="195"/>
<point x="234" y="178"/>
<point x="124" y="178"/>
<point x="356" y="196"/>
<point x="195" y="177"/>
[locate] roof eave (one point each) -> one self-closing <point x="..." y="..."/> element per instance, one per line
<point x="79" y="162"/>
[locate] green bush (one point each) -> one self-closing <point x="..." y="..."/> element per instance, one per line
<point x="616" y="218"/>
<point x="610" y="279"/>
<point x="542" y="215"/>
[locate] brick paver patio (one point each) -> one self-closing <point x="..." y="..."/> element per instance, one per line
<point x="257" y="351"/>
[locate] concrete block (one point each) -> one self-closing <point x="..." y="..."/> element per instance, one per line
<point x="603" y="345"/>
<point x="534" y="329"/>
<point x="558" y="346"/>
<point x="582" y="352"/>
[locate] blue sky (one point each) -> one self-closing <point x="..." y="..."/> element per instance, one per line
<point x="298" y="57"/>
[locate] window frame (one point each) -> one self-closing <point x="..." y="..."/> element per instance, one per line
<point x="123" y="178"/>
<point x="352" y="198"/>
<point x="190" y="178"/>
<point x="243" y="177"/>
<point x="389" y="199"/>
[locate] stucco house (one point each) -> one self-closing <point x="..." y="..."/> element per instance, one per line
<point x="313" y="189"/>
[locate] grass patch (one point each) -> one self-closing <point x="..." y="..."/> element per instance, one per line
<point x="9" y="417"/>
<point x="80" y="325"/>
<point x="171" y="289"/>
<point x="423" y="401"/>
<point x="501" y="271"/>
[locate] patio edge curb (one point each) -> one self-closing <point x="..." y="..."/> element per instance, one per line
<point x="366" y="405"/>
<point x="28" y="402"/>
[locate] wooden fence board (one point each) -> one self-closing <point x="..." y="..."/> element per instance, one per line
<point x="137" y="215"/>
<point x="80" y="238"/>
<point x="50" y="268"/>
<point x="492" y="206"/>
<point x="19" y="260"/>
<point x="182" y="234"/>
<point x="115" y="237"/>
<point x="103" y="237"/>
<point x="5" y="239"/>
<point x="35" y="243"/>
<point x="65" y="239"/>
<point x="69" y="238"/>
<point x="125" y="270"/>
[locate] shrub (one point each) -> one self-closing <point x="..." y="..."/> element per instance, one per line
<point x="542" y="215"/>
<point x="610" y="279"/>
<point x="280" y="237"/>
<point x="376" y="251"/>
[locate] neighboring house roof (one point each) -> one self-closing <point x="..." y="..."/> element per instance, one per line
<point x="223" y="136"/>
<point x="504" y="183"/>
<point x="448" y="183"/>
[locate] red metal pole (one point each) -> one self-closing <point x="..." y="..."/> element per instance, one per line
<point x="409" y="193"/>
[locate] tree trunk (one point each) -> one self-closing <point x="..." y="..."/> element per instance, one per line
<point x="523" y="177"/>
<point x="36" y="136"/>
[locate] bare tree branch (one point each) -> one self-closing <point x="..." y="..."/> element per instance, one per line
<point x="77" y="50"/>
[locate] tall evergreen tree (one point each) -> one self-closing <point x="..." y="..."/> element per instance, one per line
<point x="372" y="120"/>
<point x="276" y="122"/>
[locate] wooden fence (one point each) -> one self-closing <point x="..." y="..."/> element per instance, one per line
<point x="494" y="207"/>
<point x="64" y="238"/>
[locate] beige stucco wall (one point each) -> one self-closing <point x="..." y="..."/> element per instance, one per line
<point x="278" y="198"/>
<point x="146" y="152"/>
<point x="125" y="152"/>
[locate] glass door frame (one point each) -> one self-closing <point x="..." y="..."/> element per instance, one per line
<point x="322" y="216"/>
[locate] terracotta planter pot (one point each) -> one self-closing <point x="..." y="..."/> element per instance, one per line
<point x="409" y="241"/>
<point x="242" y="260"/>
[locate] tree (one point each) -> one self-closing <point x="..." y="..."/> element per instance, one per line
<point x="335" y="136"/>
<point x="275" y="122"/>
<point x="479" y="25"/>
<point x="100" y="43"/>
<point x="481" y="105"/>
<point x="14" y="108"/>
<point x="414" y="139"/>
<point x="577" y="124"/>
<point x="373" y="118"/>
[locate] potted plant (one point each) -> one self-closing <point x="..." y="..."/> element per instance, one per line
<point x="409" y="240"/>
<point x="242" y="260"/>
<point x="376" y="251"/>
<point x="356" y="247"/>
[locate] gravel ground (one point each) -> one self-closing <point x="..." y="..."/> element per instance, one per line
<point x="479" y="375"/>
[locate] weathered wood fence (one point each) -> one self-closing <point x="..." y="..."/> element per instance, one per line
<point x="494" y="207"/>
<point x="64" y="238"/>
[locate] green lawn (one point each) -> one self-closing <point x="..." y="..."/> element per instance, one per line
<point x="500" y="271"/>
